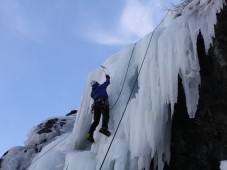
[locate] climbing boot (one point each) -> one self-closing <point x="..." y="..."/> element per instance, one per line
<point x="105" y="131"/>
<point x="90" y="138"/>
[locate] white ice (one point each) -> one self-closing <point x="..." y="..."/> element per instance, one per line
<point x="223" y="165"/>
<point x="144" y="133"/>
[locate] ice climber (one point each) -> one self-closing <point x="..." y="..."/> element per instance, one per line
<point x="100" y="106"/>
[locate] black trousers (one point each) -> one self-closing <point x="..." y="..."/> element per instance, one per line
<point x="100" y="107"/>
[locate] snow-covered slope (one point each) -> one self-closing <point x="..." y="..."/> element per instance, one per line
<point x="20" y="157"/>
<point x="147" y="99"/>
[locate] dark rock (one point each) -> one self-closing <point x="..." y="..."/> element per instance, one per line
<point x="46" y="128"/>
<point x="201" y="143"/>
<point x="73" y="112"/>
<point x="5" y="153"/>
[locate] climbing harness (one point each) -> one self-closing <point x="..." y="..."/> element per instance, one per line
<point x="101" y="102"/>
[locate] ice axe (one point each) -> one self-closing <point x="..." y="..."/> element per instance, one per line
<point x="103" y="69"/>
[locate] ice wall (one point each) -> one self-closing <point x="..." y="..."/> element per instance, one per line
<point x="144" y="132"/>
<point x="223" y="165"/>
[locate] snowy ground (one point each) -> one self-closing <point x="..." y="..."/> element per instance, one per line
<point x="20" y="157"/>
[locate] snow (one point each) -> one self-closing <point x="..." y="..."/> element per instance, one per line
<point x="223" y="165"/>
<point x="145" y="130"/>
<point x="20" y="157"/>
<point x="17" y="157"/>
<point x="60" y="125"/>
<point x="52" y="157"/>
<point x="79" y="160"/>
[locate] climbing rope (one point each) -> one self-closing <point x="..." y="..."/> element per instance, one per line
<point x="110" y="109"/>
<point x="124" y="78"/>
<point x="48" y="150"/>
<point x="131" y="92"/>
<point x="114" y="103"/>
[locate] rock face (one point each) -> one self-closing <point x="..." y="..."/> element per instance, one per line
<point x="201" y="143"/>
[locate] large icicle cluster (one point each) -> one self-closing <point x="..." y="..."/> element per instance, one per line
<point x="144" y="132"/>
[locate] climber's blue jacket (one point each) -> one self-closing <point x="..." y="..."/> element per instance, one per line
<point x="99" y="90"/>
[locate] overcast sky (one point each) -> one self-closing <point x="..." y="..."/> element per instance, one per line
<point x="48" y="48"/>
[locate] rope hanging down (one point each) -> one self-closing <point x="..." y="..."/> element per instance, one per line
<point x="114" y="103"/>
<point x="110" y="109"/>
<point x="124" y="78"/>
<point x="131" y="92"/>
